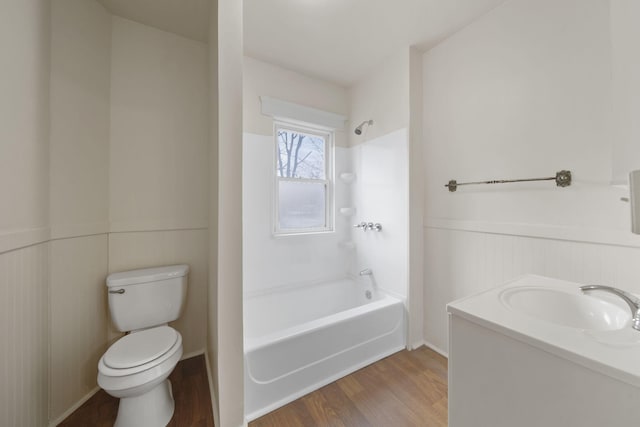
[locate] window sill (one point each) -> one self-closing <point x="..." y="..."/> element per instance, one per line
<point x="278" y="235"/>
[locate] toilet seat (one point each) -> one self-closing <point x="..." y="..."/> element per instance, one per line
<point x="140" y="351"/>
<point x="140" y="348"/>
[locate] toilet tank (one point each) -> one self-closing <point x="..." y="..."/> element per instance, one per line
<point x="148" y="297"/>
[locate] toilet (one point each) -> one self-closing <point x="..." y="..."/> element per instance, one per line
<point x="136" y="367"/>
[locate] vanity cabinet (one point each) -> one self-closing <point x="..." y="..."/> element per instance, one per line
<point x="507" y="370"/>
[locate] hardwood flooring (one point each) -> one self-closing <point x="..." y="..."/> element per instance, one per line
<point x="190" y="391"/>
<point x="408" y="388"/>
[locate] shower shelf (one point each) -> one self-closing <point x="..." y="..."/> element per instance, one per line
<point x="348" y="177"/>
<point x="347" y="211"/>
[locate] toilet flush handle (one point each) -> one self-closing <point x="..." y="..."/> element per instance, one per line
<point x="116" y="291"/>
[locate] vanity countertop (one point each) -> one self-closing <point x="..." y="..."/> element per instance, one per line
<point x="615" y="353"/>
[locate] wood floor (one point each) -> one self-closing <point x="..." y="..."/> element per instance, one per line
<point x="405" y="389"/>
<point x="408" y="388"/>
<point x="190" y="391"/>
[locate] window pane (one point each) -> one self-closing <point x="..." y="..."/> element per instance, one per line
<point x="300" y="155"/>
<point x="302" y="205"/>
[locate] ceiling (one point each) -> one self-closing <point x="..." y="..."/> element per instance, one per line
<point x="335" y="40"/>
<point x="339" y="40"/>
<point x="188" y="18"/>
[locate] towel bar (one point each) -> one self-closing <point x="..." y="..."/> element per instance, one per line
<point x="562" y="179"/>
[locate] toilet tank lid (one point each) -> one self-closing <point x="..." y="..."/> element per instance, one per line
<point x="146" y="275"/>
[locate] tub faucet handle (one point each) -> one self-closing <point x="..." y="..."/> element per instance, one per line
<point x="362" y="225"/>
<point x="371" y="226"/>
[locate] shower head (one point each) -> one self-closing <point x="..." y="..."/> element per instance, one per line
<point x="358" y="130"/>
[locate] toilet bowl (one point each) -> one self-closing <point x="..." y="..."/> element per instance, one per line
<point x="136" y="367"/>
<point x="135" y="370"/>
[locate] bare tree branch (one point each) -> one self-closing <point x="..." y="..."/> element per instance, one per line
<point x="297" y="162"/>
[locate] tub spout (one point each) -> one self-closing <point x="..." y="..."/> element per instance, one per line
<point x="366" y="272"/>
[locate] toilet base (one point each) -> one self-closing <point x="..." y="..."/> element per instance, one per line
<point x="151" y="409"/>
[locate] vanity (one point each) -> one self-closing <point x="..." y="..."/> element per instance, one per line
<point x="540" y="352"/>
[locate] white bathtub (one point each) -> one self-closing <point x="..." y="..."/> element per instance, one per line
<point x="300" y="339"/>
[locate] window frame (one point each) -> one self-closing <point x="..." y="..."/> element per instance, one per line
<point x="328" y="135"/>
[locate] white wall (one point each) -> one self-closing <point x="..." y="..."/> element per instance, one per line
<point x="264" y="79"/>
<point x="79" y="197"/>
<point x="381" y="96"/>
<point x="212" y="288"/>
<point x="159" y="160"/>
<point x="523" y="92"/>
<point x="80" y="85"/>
<point x="626" y="87"/>
<point x="415" y="294"/>
<point x="24" y="124"/>
<point x="506" y="100"/>
<point x="24" y="224"/>
<point x="226" y="351"/>
<point x="158" y="130"/>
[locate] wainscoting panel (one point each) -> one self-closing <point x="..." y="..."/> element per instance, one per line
<point x="459" y="263"/>
<point x="24" y="353"/>
<point x="79" y="319"/>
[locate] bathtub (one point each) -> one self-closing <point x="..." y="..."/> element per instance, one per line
<point x="302" y="338"/>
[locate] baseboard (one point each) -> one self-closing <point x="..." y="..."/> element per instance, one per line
<point x="416" y="345"/>
<point x="72" y="409"/>
<point x="436" y="349"/>
<point x="194" y="354"/>
<point x="212" y="393"/>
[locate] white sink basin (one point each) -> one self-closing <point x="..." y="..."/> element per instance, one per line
<point x="565" y="309"/>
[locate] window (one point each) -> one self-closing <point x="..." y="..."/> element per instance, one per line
<point x="303" y="186"/>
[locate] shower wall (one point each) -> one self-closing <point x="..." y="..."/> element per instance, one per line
<point x="271" y="261"/>
<point x="381" y="191"/>
<point x="380" y="194"/>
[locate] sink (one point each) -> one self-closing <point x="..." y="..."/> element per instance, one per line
<point x="565" y="309"/>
